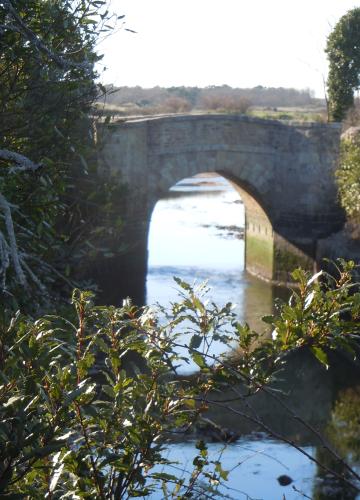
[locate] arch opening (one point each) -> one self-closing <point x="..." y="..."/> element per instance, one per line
<point x="197" y="231"/>
<point x="199" y="222"/>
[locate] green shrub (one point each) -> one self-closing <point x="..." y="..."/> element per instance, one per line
<point x="88" y="405"/>
<point x="348" y="178"/>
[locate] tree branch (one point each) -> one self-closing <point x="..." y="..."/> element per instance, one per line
<point x="61" y="61"/>
<point x="14" y="253"/>
<point x="4" y="260"/>
<point x="22" y="162"/>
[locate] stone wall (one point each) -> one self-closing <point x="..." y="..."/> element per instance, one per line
<point x="283" y="172"/>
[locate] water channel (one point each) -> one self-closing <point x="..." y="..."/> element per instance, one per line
<point x="197" y="234"/>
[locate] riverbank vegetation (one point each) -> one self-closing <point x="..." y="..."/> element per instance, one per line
<point x="52" y="210"/>
<point x="348" y="179"/>
<point x="343" y="81"/>
<point x="90" y="395"/>
<point x="89" y="404"/>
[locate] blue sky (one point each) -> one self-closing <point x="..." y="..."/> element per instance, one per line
<point x="242" y="43"/>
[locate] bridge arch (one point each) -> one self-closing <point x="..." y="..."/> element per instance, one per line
<point x="259" y="231"/>
<point x="283" y="173"/>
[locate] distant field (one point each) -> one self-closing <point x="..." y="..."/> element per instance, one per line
<point x="303" y="113"/>
<point x="296" y="113"/>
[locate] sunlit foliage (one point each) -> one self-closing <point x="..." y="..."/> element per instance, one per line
<point x="344" y="64"/>
<point x="89" y="402"/>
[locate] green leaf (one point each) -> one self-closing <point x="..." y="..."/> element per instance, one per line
<point x="108" y="390"/>
<point x="268" y="319"/>
<point x="163" y="476"/>
<point x="198" y="359"/>
<point x="315" y="277"/>
<point x="320" y="355"/>
<point x="223" y="473"/>
<point x="102" y="344"/>
<point x="88" y="21"/>
<point x="299" y="275"/>
<point x="198" y="304"/>
<point x="140" y="493"/>
<point x="43" y="451"/>
<point x="196" y="341"/>
<point x="90" y="410"/>
<point x="72" y="395"/>
<point x="182" y="284"/>
<point x="190" y="403"/>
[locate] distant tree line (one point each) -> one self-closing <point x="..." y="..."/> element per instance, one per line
<point x="182" y="99"/>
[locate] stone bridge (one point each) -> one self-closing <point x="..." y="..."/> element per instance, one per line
<point x="283" y="172"/>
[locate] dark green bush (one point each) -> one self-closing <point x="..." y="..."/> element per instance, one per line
<point x="348" y="178"/>
<point x="87" y="406"/>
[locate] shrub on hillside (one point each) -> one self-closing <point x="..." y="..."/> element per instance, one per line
<point x="176" y="105"/>
<point x="228" y="103"/>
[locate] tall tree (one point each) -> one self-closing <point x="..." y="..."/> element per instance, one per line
<point x="343" y="51"/>
<point x="47" y="88"/>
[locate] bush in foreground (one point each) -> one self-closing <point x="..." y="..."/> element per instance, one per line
<point x="87" y="405"/>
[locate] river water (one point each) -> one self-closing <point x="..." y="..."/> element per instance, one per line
<point x="196" y="234"/>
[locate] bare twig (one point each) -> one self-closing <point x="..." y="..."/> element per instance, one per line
<point x="13" y="248"/>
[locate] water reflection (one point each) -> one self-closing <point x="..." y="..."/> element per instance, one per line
<point x="318" y="414"/>
<point x="343" y="432"/>
<point x="254" y="468"/>
<point x="196" y="233"/>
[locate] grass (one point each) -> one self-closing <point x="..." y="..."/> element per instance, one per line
<point x="301" y="114"/>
